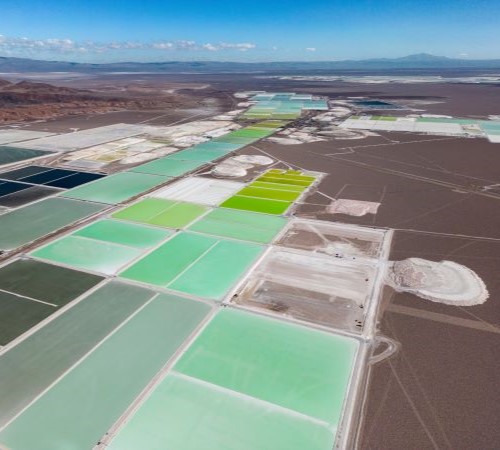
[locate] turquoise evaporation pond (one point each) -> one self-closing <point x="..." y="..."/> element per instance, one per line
<point x="30" y="367"/>
<point x="79" y="409"/>
<point x="491" y="128"/>
<point x="243" y="141"/>
<point x="116" y="188"/>
<point x="215" y="146"/>
<point x="195" y="264"/>
<point x="294" y="382"/>
<point x="200" y="155"/>
<point x="105" y="246"/>
<point x="31" y="222"/>
<point x="244" y="225"/>
<point x="168" y="166"/>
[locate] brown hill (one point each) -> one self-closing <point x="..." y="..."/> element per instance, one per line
<point x="28" y="100"/>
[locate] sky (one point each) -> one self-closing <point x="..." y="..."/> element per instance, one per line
<point x="243" y="30"/>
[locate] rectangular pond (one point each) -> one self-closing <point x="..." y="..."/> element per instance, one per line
<point x="248" y="382"/>
<point x="104" y="247"/>
<point x="92" y="395"/>
<point x="34" y="221"/>
<point x="162" y="213"/>
<point x="116" y="188"/>
<point x="196" y="264"/>
<point x="31" y="290"/>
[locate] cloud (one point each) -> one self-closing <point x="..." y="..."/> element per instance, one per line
<point x="12" y="45"/>
<point x="311" y="49"/>
<point x="209" y="47"/>
<point x="243" y="47"/>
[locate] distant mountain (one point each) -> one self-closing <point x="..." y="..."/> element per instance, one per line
<point x="418" y="61"/>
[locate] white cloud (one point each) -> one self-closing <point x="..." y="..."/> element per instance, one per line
<point x="12" y="45"/>
<point x="243" y="47"/>
<point x="210" y="47"/>
<point x="311" y="49"/>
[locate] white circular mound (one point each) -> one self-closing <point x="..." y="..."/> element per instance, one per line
<point x="235" y="163"/>
<point x="442" y="282"/>
<point x="229" y="171"/>
<point x="258" y="160"/>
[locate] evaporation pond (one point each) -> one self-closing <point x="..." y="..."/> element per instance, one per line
<point x="81" y="407"/>
<point x="292" y="366"/>
<point x="168" y="166"/>
<point x="273" y="194"/>
<point x="222" y="420"/>
<point x="104" y="246"/>
<point x="32" y="290"/>
<point x="9" y="155"/>
<point x="31" y="222"/>
<point x="161" y="212"/>
<point x="206" y="191"/>
<point x="128" y="234"/>
<point x="116" y="188"/>
<point x="196" y="264"/>
<point x="262" y="205"/>
<point x="35" y="363"/>
<point x="25" y="196"/>
<point x="244" y="225"/>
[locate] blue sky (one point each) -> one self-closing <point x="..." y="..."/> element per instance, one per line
<point x="242" y="30"/>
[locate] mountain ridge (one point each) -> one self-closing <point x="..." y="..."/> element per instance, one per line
<point x="415" y="61"/>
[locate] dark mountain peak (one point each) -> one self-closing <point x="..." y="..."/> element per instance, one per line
<point x="424" y="57"/>
<point x="31" y="84"/>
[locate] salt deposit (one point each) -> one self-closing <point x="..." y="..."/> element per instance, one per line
<point x="230" y="115"/>
<point x="343" y="134"/>
<point x="399" y="79"/>
<point x="228" y="171"/>
<point x="258" y="160"/>
<point x="436" y="116"/>
<point x="141" y="157"/>
<point x="285" y="141"/>
<point x="15" y="135"/>
<point x="333" y="114"/>
<point x="356" y="208"/>
<point x="243" y="94"/>
<point x="195" y="128"/>
<point x="442" y="282"/>
<point x="237" y="166"/>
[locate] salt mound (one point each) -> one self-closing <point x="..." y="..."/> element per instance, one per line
<point x="442" y="282"/>
<point x="226" y="170"/>
<point x="356" y="208"/>
<point x="284" y="141"/>
<point x="258" y="160"/>
<point x="237" y="166"/>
